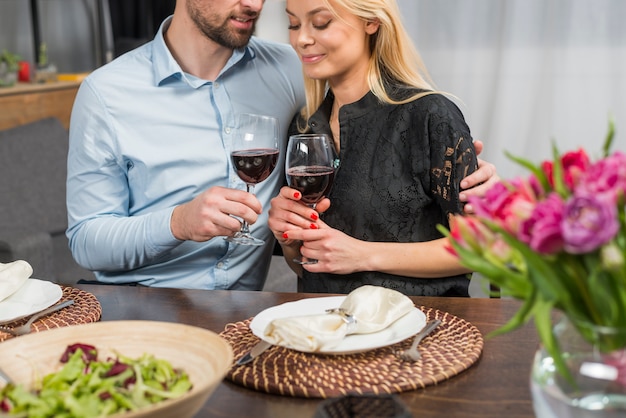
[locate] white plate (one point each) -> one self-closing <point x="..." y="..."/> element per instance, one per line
<point x="34" y="295"/>
<point x="400" y="330"/>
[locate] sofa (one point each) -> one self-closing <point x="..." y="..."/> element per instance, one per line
<point x="33" y="216"/>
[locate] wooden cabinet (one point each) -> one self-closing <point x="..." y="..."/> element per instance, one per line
<point x="27" y="102"/>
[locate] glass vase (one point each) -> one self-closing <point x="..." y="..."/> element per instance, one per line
<point x="596" y="386"/>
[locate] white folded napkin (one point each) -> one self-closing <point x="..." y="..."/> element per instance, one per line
<point x="365" y="310"/>
<point x="13" y="275"/>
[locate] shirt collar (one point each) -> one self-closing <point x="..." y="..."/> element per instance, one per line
<point x="166" y="70"/>
<point x="320" y="119"/>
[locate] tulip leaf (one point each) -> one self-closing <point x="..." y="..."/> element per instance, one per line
<point x="537" y="171"/>
<point x="608" y="141"/>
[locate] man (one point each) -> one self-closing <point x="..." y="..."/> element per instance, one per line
<point x="151" y="190"/>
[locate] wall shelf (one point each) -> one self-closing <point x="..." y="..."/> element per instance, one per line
<point x="27" y="102"/>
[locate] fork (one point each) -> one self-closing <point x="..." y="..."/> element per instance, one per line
<point x="413" y="354"/>
<point x="25" y="329"/>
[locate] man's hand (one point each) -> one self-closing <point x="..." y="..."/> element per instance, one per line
<point x="214" y="213"/>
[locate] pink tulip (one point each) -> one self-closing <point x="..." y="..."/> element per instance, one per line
<point x="575" y="164"/>
<point x="542" y="231"/>
<point x="607" y="177"/>
<point x="469" y="233"/>
<point x="507" y="204"/>
<point x="589" y="221"/>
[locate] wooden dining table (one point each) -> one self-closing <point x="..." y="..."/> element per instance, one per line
<point x="496" y="385"/>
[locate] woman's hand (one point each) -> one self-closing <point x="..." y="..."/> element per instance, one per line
<point x="288" y="213"/>
<point x="335" y="251"/>
<point x="339" y="253"/>
<point x="481" y="180"/>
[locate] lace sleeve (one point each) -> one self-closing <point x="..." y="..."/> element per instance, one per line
<point x="452" y="155"/>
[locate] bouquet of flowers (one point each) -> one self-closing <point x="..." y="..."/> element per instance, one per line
<point x="554" y="240"/>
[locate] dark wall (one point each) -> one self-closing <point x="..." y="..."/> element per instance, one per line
<point x="135" y="22"/>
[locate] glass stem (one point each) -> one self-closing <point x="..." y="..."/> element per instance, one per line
<point x="245" y="228"/>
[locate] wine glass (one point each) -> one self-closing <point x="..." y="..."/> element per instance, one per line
<point x="310" y="168"/>
<point x="254" y="156"/>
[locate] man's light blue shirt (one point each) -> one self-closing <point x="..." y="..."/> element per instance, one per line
<point x="146" y="137"/>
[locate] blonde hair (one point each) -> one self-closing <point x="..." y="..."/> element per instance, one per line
<point x="393" y="55"/>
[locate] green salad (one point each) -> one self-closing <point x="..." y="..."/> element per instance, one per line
<point x="88" y="387"/>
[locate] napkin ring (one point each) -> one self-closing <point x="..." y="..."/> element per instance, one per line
<point x="349" y="319"/>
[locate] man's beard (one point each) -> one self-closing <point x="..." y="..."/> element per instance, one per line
<point x="222" y="35"/>
<point x="232" y="39"/>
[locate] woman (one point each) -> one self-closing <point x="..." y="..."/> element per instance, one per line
<point x="404" y="149"/>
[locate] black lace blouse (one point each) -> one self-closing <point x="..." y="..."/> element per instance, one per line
<point x="399" y="177"/>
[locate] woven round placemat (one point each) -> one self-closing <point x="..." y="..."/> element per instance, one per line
<point x="85" y="309"/>
<point x="453" y="347"/>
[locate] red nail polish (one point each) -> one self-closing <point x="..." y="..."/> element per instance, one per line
<point x="314" y="216"/>
<point x="296" y="195"/>
<point x="313" y="226"/>
<point x="285" y="236"/>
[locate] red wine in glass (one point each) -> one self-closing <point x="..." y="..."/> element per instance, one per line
<point x="254" y="165"/>
<point x="310" y="169"/>
<point x="313" y="182"/>
<point x="254" y="156"/>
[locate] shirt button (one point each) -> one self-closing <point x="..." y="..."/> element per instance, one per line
<point x="220" y="265"/>
<point x="227" y="130"/>
<point x="216" y="85"/>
